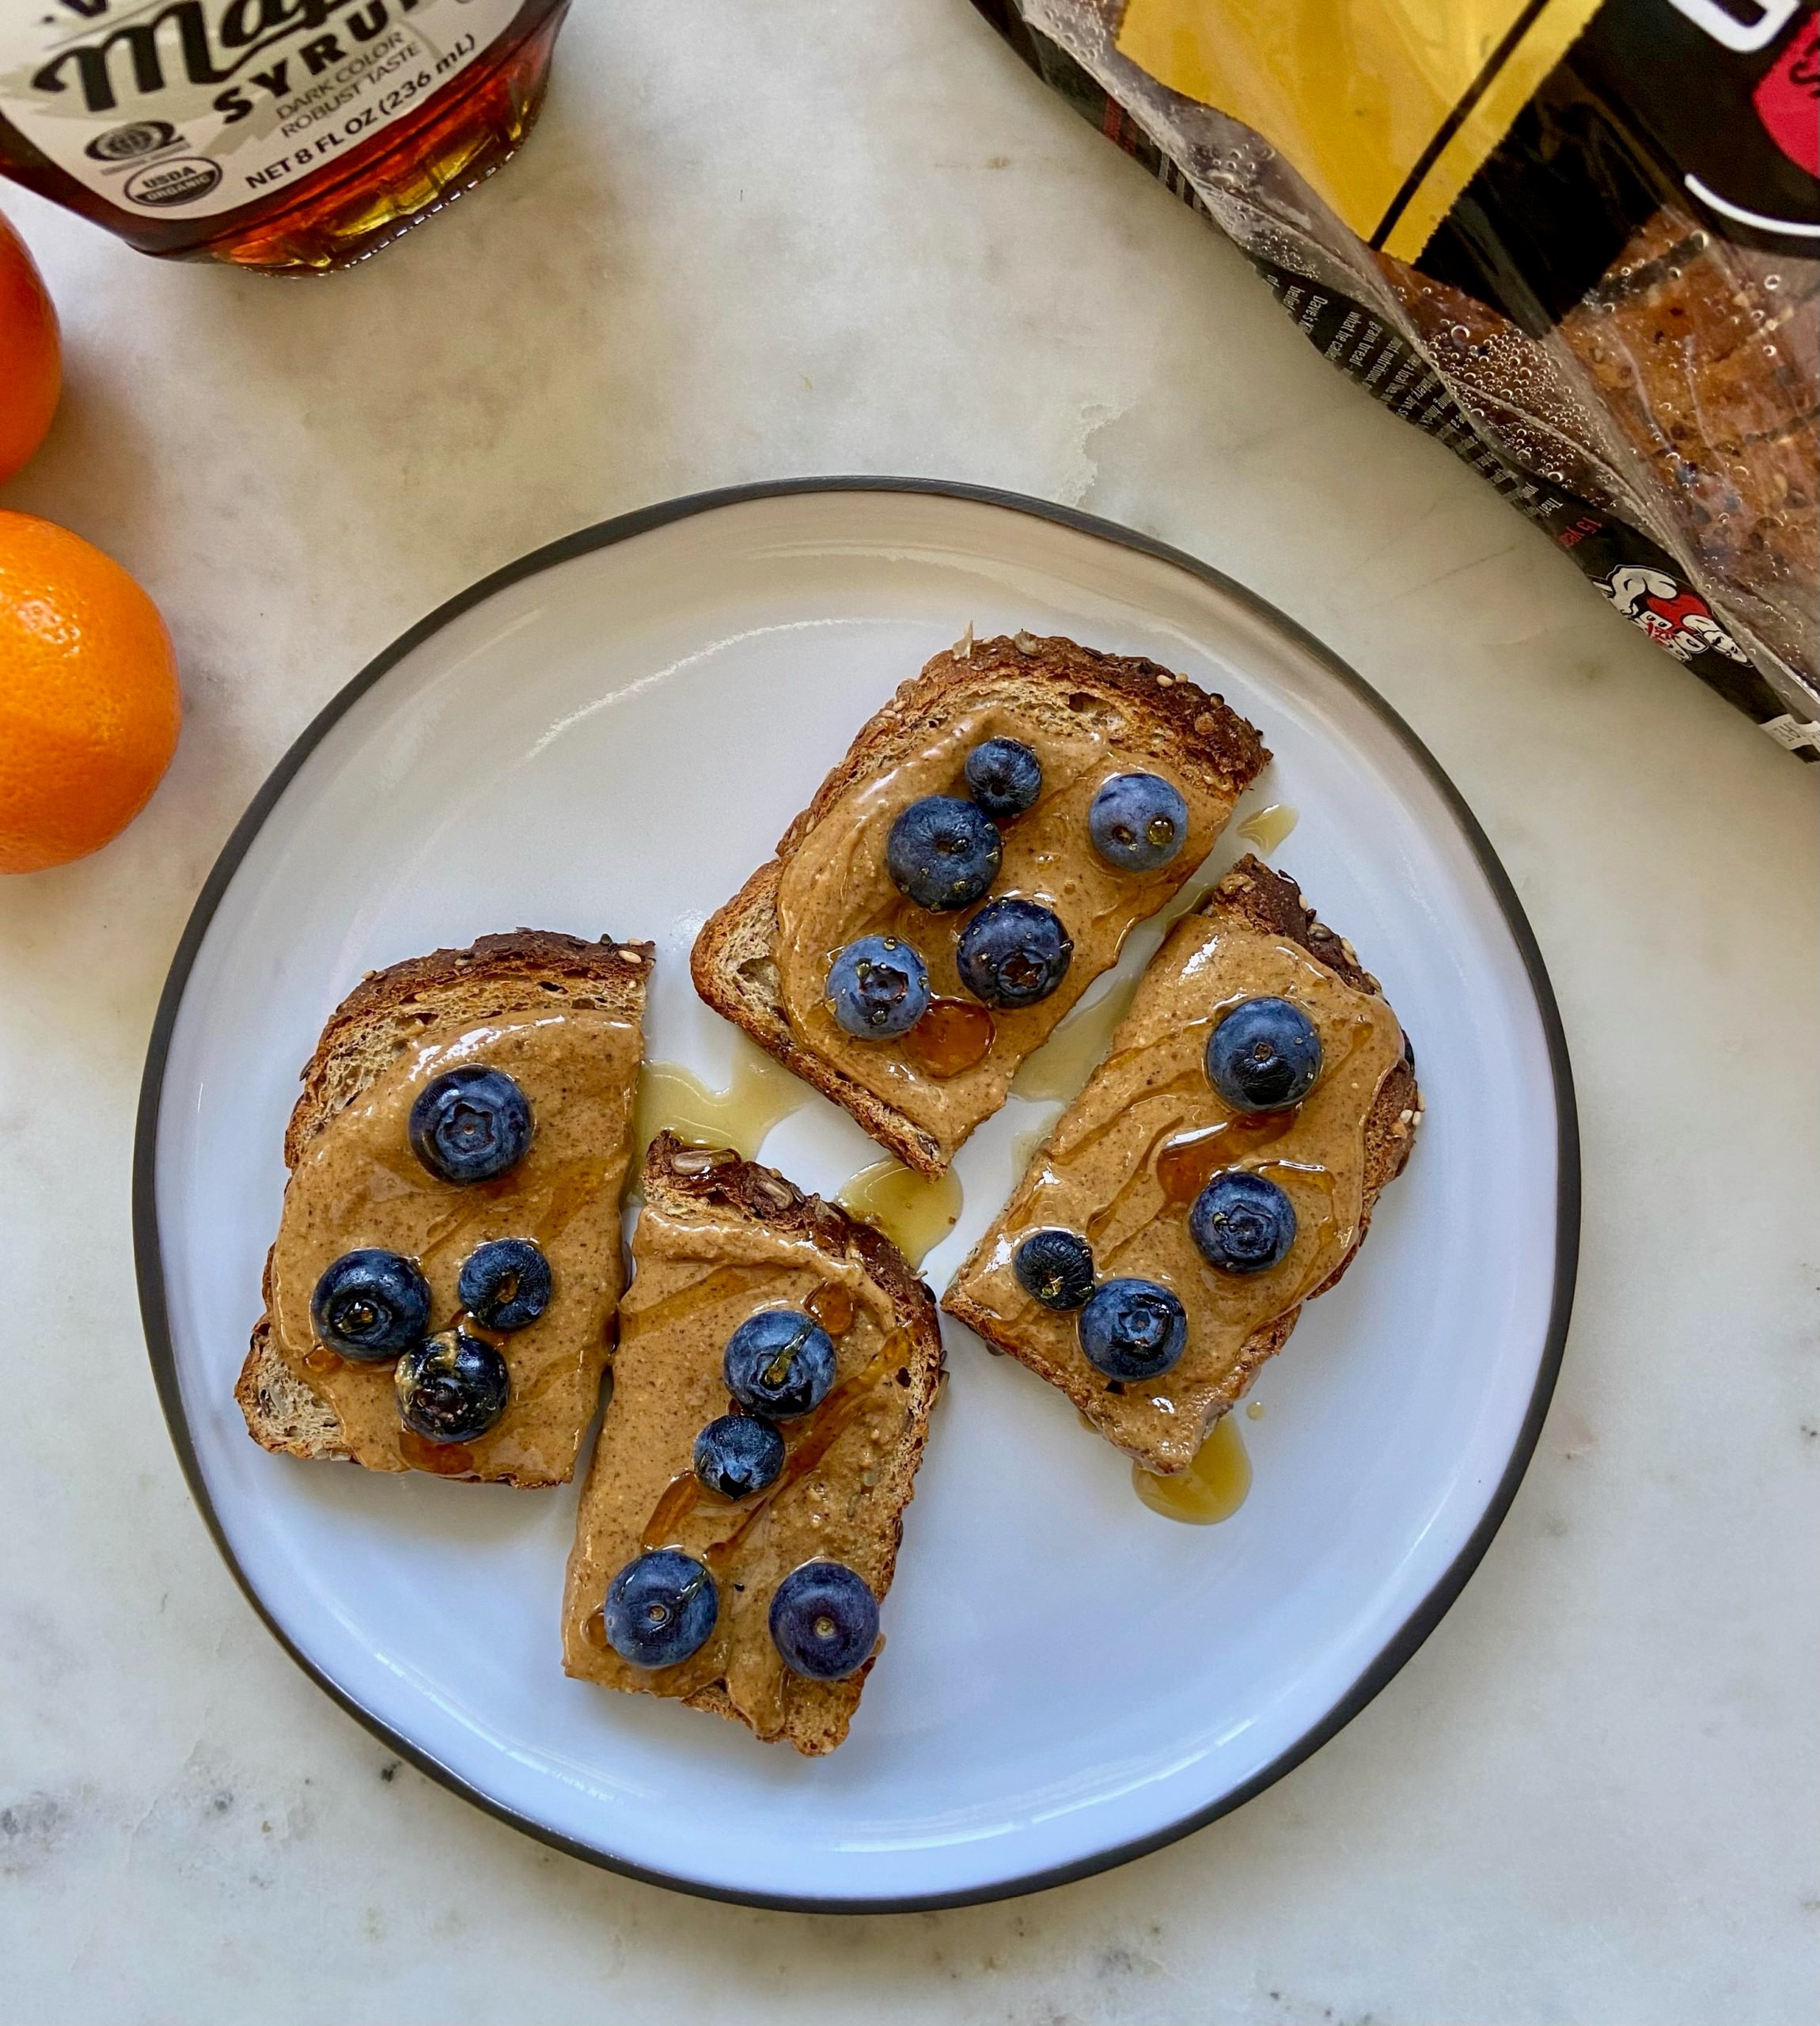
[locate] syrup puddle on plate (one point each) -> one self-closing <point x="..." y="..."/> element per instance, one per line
<point x="1211" y="1489"/>
<point x="1060" y="1067"/>
<point x="1268" y="828"/>
<point x="1024" y="1144"/>
<point x="762" y="1092"/>
<point x="915" y="1212"/>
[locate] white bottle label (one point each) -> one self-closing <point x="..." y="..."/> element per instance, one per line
<point x="187" y="108"/>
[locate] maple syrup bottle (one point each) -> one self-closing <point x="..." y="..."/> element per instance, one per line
<point x="292" y="136"/>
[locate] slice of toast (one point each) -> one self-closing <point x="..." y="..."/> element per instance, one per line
<point x="719" y="1240"/>
<point x="1126" y="1159"/>
<point x="563" y="1016"/>
<point x="761" y="960"/>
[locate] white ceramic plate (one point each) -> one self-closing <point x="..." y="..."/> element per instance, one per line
<point x="609" y="736"/>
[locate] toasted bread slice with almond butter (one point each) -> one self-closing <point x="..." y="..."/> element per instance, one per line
<point x="563" y="1018"/>
<point x="1131" y="1156"/>
<point x="718" y="1241"/>
<point x="763" y="959"/>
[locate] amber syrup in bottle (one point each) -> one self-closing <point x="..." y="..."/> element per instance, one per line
<point x="290" y="136"/>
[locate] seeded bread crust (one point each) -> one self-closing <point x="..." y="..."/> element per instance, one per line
<point x="677" y="1178"/>
<point x="733" y="962"/>
<point x="1271" y="902"/>
<point x="530" y="968"/>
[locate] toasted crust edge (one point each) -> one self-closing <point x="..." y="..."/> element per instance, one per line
<point x="530" y="958"/>
<point x="718" y="1178"/>
<point x="1207" y="731"/>
<point x="283" y="1414"/>
<point x="1272" y="902"/>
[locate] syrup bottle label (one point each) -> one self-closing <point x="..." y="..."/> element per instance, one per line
<point x="188" y="109"/>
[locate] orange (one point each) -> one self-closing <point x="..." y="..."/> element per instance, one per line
<point x="90" y="707"/>
<point x="31" y="360"/>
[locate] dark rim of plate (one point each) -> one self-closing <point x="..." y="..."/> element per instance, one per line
<point x="1415" y="1628"/>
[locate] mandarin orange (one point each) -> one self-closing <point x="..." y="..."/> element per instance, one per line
<point x="90" y="707"/>
<point x="31" y="360"/>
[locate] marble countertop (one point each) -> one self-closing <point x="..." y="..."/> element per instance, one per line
<point x="749" y="242"/>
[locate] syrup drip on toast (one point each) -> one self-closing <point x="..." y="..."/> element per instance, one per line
<point x="1187" y="1161"/>
<point x="717" y="1286"/>
<point x="441" y="1459"/>
<point x="953" y="1035"/>
<point x="832" y="1306"/>
<point x="685" y="1497"/>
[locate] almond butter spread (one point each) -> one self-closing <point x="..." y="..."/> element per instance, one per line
<point x="359" y="1184"/>
<point x="696" y="1276"/>
<point x="1129" y="1157"/>
<point x="836" y="887"/>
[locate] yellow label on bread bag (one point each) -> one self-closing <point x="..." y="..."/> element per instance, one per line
<point x="1388" y="107"/>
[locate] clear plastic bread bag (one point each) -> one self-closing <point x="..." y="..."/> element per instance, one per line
<point x="1579" y="242"/>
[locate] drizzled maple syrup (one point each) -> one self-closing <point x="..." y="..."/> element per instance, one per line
<point x="915" y="1212"/>
<point x="761" y="1093"/>
<point x="442" y="1459"/>
<point x="293" y="136"/>
<point x="832" y="1306"/>
<point x="1211" y="1489"/>
<point x="319" y="1357"/>
<point x="1187" y="1163"/>
<point x="679" y="1497"/>
<point x="809" y="1440"/>
<point x="952" y="1036"/>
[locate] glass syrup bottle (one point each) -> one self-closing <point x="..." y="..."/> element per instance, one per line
<point x="290" y="136"/>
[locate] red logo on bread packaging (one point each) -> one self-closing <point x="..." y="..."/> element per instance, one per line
<point x="1787" y="99"/>
<point x="1673" y="617"/>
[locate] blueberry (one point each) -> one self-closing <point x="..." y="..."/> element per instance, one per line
<point x="1055" y="1267"/>
<point x="1242" y="1222"/>
<point x="1263" y="1055"/>
<point x="738" y="1455"/>
<point x="779" y="1363"/>
<point x="942" y="852"/>
<point x="824" y="1620"/>
<point x="1013" y="953"/>
<point x="470" y="1124"/>
<point x="878" y="986"/>
<point x="451" y="1388"/>
<point x="1133" y="1329"/>
<point x="1005" y="777"/>
<point x="370" y="1305"/>
<point x="505" y="1285"/>
<point x="1138" y="822"/>
<point x="660" y="1609"/>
